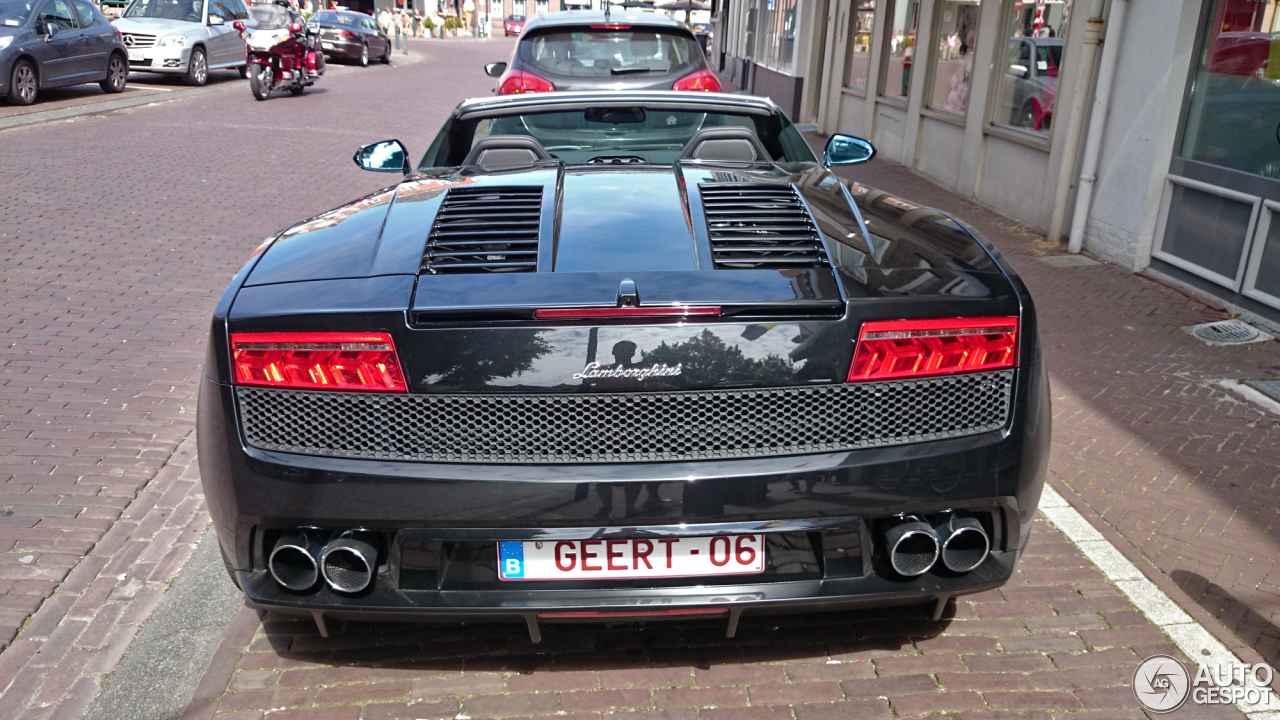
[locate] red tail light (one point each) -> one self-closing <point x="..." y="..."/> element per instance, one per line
<point x="346" y="34"/>
<point x="703" y="80"/>
<point x="610" y="27"/>
<point x="363" y="362"/>
<point x="519" y="81"/>
<point x="919" y="348"/>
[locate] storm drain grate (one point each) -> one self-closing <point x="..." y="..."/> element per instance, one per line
<point x="1227" y="332"/>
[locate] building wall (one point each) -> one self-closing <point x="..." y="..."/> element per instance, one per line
<point x="1014" y="171"/>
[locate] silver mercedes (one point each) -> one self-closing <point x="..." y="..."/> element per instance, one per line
<point x="184" y="37"/>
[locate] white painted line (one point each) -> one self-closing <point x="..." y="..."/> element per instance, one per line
<point x="1191" y="638"/>
<point x="1257" y="397"/>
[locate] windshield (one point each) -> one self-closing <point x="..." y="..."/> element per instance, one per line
<point x="516" y="18"/>
<point x="187" y="10"/>
<point x="336" y="19"/>
<point x="605" y="53"/>
<point x="270" y="17"/>
<point x="629" y="135"/>
<point x="13" y="13"/>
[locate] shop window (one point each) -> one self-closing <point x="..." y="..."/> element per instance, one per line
<point x="955" y="41"/>
<point x="858" y="54"/>
<point x="895" y="79"/>
<point x="1026" y="81"/>
<point x="777" y="45"/>
<point x="1235" y="100"/>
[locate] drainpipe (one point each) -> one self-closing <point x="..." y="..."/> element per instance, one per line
<point x="1075" y="121"/>
<point x="1093" y="144"/>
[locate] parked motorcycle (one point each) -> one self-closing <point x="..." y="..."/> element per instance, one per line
<point x="281" y="51"/>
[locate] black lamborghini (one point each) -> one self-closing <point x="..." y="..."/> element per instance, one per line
<point x="610" y="356"/>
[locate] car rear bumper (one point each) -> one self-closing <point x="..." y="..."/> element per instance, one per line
<point x="345" y="48"/>
<point x="440" y="522"/>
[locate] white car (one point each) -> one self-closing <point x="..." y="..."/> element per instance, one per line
<point x="186" y="37"/>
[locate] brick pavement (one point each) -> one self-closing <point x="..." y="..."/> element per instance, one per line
<point x="120" y="231"/>
<point x="97" y="382"/>
<point x="1056" y="641"/>
<point x="1185" y="472"/>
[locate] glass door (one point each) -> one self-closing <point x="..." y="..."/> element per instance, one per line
<point x="1224" y="184"/>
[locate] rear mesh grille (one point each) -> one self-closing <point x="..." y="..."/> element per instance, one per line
<point x="624" y="427"/>
<point x="760" y="225"/>
<point x="492" y="229"/>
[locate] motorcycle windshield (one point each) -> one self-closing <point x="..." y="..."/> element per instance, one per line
<point x="270" y="17"/>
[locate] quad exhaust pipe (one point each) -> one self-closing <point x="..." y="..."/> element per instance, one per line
<point x="300" y="558"/>
<point x="915" y="546"/>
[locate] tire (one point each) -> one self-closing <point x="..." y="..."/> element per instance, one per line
<point x="230" y="570"/>
<point x="24" y="83"/>
<point x="197" y="68"/>
<point x="117" y="75"/>
<point x="386" y="55"/>
<point x="244" y="70"/>
<point x="297" y="89"/>
<point x="363" y="60"/>
<point x="1026" y="117"/>
<point x="260" y="81"/>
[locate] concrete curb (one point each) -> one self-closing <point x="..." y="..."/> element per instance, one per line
<point x="67" y="113"/>
<point x="158" y="675"/>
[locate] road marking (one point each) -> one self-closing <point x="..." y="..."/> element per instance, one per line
<point x="1191" y="638"/>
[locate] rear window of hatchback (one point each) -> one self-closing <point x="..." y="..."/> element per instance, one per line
<point x="611" y="52"/>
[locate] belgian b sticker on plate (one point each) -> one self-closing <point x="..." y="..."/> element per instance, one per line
<point x="631" y="558"/>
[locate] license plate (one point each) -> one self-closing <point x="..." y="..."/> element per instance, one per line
<point x="136" y="56"/>
<point x="326" y="45"/>
<point x="631" y="558"/>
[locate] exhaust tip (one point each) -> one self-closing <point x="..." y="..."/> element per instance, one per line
<point x="966" y="546"/>
<point x="293" y="563"/>
<point x="913" y="547"/>
<point x="348" y="565"/>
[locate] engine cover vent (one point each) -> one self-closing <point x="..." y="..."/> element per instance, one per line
<point x="760" y="225"/>
<point x="489" y="229"/>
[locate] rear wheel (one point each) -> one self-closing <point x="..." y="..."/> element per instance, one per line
<point x="297" y="89"/>
<point x="117" y="75"/>
<point x="198" y="68"/>
<point x="386" y="54"/>
<point x="226" y="562"/>
<point x="364" y="56"/>
<point x="244" y="71"/>
<point x="23" y="83"/>
<point x="260" y="81"/>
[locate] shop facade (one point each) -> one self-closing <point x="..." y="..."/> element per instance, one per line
<point x="999" y="100"/>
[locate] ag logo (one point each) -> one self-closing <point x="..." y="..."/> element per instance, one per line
<point x="1161" y="684"/>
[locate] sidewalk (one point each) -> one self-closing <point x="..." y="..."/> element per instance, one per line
<point x="1186" y="474"/>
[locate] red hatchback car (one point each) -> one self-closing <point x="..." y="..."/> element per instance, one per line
<point x="513" y="25"/>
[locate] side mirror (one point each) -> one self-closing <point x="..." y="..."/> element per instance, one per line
<point x="1019" y="71"/>
<point x="495" y="69"/>
<point x="847" y="150"/>
<point x="385" y="156"/>
<point x="49" y="31"/>
<point x="239" y="25"/>
<point x="216" y="20"/>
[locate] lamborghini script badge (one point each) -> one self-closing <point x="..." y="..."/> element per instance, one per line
<point x="639" y="372"/>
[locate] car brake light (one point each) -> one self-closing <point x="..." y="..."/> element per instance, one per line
<point x="346" y="34"/>
<point x="519" y="81"/>
<point x="703" y="80"/>
<point x="610" y="27"/>
<point x="919" y="348"/>
<point x="317" y="361"/>
<point x="615" y="312"/>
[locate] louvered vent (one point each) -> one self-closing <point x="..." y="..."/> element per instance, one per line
<point x="760" y="225"/>
<point x="491" y="229"/>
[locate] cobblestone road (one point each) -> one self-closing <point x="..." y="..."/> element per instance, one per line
<point x="121" y="230"/>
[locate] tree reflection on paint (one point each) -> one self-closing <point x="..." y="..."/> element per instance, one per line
<point x="707" y="360"/>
